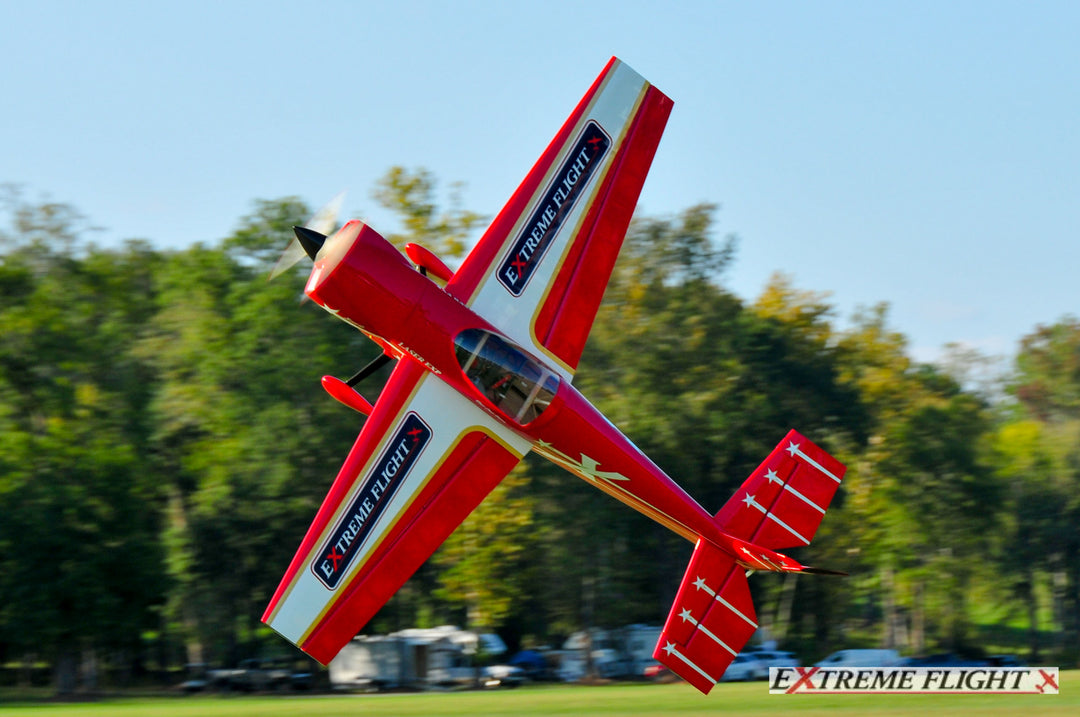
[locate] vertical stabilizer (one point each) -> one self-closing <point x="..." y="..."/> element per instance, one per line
<point x="782" y="503"/>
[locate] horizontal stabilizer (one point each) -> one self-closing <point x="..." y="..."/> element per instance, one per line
<point x="711" y="620"/>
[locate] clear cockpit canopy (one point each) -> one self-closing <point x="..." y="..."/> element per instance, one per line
<point x="516" y="384"/>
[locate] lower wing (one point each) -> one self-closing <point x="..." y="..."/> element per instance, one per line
<point x="424" y="460"/>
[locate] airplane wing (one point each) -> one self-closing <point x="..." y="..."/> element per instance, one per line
<point x="540" y="270"/>
<point x="426" y="457"/>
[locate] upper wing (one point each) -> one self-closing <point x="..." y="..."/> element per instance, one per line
<point x="782" y="503"/>
<point x="424" y="460"/>
<point x="539" y="272"/>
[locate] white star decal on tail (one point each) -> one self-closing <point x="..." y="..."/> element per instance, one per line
<point x="671" y="650"/>
<point x="701" y="585"/>
<point x="793" y="449"/>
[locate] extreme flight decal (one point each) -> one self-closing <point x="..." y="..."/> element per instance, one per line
<point x="390" y="472"/>
<point x="556" y="204"/>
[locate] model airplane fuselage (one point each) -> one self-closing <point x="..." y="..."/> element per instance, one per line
<point x="483" y="376"/>
<point x="365" y="281"/>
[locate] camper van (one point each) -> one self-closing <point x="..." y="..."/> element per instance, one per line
<point x="621" y="652"/>
<point x="436" y="657"/>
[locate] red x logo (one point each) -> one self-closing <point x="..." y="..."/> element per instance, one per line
<point x="805" y="673"/>
<point x="519" y="264"/>
<point x="335" y="557"/>
<point x="1048" y="683"/>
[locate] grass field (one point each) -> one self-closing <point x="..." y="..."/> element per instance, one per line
<point x="622" y="700"/>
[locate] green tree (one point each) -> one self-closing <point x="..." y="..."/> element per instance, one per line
<point x="924" y="500"/>
<point x="1036" y="514"/>
<point x="478" y="565"/>
<point x="247" y="443"/>
<point x="1047" y="380"/>
<point x="80" y="569"/>
<point x="1040" y="446"/>
<point x="412" y="196"/>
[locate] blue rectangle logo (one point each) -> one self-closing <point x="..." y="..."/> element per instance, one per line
<point x="390" y="471"/>
<point x="528" y="250"/>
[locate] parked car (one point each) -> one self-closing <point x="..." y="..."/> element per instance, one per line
<point x="197" y="680"/>
<point x="501" y="676"/>
<point x="745" y="667"/>
<point x="533" y="665"/>
<point x="861" y="658"/>
<point x="945" y="659"/>
<point x="775" y="658"/>
<point x="254" y="675"/>
<point x="656" y="672"/>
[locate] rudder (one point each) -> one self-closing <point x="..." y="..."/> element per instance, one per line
<point x="783" y="501"/>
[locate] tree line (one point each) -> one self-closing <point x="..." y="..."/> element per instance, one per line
<point x="164" y="446"/>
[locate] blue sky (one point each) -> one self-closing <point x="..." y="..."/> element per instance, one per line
<point x="920" y="154"/>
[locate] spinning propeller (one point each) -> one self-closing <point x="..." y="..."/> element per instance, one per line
<point x="312" y="240"/>
<point x="322" y="223"/>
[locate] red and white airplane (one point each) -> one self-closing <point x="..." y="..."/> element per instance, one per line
<point x="484" y="375"/>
